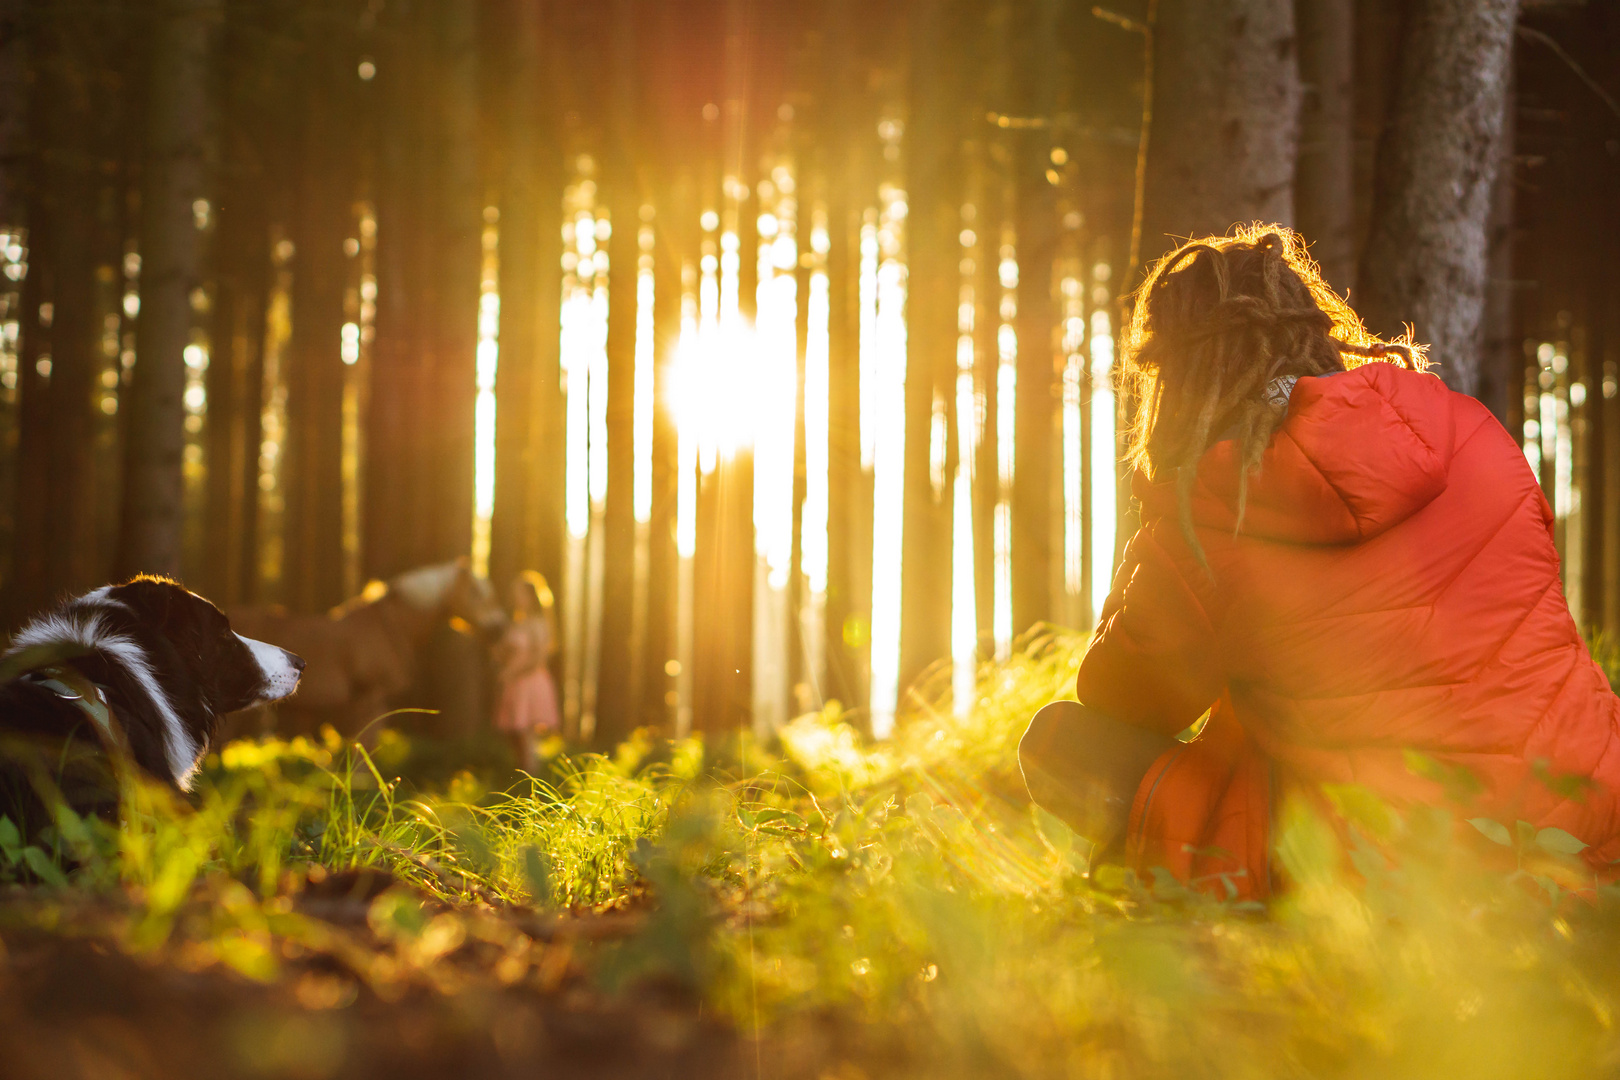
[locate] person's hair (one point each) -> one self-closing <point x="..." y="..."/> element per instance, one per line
<point x="532" y="585"/>
<point x="1213" y="324"/>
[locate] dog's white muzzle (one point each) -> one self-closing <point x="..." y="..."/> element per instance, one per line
<point x="280" y="667"/>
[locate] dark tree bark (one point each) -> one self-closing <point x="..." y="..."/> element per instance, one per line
<point x="724" y="569"/>
<point x="323" y="219"/>
<point x="1225" y="129"/>
<point x="17" y="41"/>
<point x="18" y="45"/>
<point x="253" y="143"/>
<point x="176" y="172"/>
<point x="677" y="119"/>
<point x="399" y="358"/>
<point x="993" y="205"/>
<point x="73" y="93"/>
<point x="24" y="592"/>
<point x="420" y="439"/>
<point x="1502" y="342"/>
<point x="849" y="488"/>
<point x="447" y="431"/>
<point x="235" y="399"/>
<point x="617" y="705"/>
<point x="1425" y="260"/>
<point x="932" y="194"/>
<point x="1039" y="362"/>
<point x="529" y="229"/>
<point x="1324" y="192"/>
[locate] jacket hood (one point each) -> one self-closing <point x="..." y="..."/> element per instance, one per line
<point x="1359" y="453"/>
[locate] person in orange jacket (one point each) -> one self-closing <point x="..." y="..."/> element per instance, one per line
<point x="1340" y="561"/>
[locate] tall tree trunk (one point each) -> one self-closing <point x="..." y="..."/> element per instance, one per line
<point x="17" y="42"/>
<point x="724" y="571"/>
<point x="1039" y="363"/>
<point x="24" y="586"/>
<point x="235" y="380"/>
<point x="616" y="693"/>
<point x="1324" y="192"/>
<point x="677" y="119"/>
<point x="398" y="390"/>
<point x="932" y="162"/>
<point x="1501" y="340"/>
<point x="235" y="392"/>
<point x="529" y="180"/>
<point x="1225" y="129"/>
<point x="73" y="94"/>
<point x="1425" y="260"/>
<point x="312" y="578"/>
<point x="176" y="173"/>
<point x="447" y="426"/>
<point x="849" y="487"/>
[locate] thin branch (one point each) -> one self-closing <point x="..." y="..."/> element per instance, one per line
<point x="1124" y="22"/>
<point x="1569" y="61"/>
<point x="1139" y="196"/>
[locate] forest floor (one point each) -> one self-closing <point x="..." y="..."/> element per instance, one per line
<point x="821" y="908"/>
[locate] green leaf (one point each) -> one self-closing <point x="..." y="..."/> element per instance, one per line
<point x="1527" y="834"/>
<point x="1572" y="786"/>
<point x="1362" y="807"/>
<point x="748" y="818"/>
<point x="1559" y="842"/>
<point x="10" y="840"/>
<point x="537" y="868"/>
<point x="1111" y="877"/>
<point x="1459" y="781"/>
<point x="1494" y="831"/>
<point x="43" y="868"/>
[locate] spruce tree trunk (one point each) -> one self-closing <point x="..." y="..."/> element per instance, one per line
<point x="24" y="592"/>
<point x="254" y="145"/>
<point x="676" y="120"/>
<point x="849" y="487"/>
<point x="1324" y="192"/>
<point x="1426" y="255"/>
<point x="616" y="692"/>
<point x="932" y="194"/>
<point x="1039" y="367"/>
<point x="1501" y="340"/>
<point x="529" y="180"/>
<point x="447" y="429"/>
<point x="323" y="219"/>
<point x="235" y="392"/>
<point x="17" y="42"/>
<point x="73" y="95"/>
<point x="176" y="173"/>
<point x="398" y="385"/>
<point x="1225" y="130"/>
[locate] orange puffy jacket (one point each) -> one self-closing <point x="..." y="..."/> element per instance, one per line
<point x="1394" y="587"/>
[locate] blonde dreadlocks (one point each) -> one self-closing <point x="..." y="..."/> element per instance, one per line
<point x="1214" y="324"/>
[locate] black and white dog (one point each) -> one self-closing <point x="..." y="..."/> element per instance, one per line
<point x="147" y="665"/>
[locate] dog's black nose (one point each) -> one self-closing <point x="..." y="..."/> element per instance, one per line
<point x="295" y="660"/>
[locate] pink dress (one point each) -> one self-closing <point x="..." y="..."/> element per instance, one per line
<point x="528" y="695"/>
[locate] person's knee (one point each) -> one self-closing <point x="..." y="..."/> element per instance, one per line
<point x="1085" y="766"/>
<point x="1046" y="733"/>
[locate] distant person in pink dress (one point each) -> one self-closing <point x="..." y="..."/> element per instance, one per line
<point x="528" y="705"/>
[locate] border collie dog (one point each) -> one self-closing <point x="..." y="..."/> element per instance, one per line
<point x="148" y="666"/>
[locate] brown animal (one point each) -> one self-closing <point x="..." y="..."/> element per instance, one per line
<point x="363" y="654"/>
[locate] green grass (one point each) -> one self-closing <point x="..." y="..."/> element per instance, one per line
<point x="906" y="896"/>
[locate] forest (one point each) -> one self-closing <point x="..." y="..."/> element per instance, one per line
<point x="772" y="350"/>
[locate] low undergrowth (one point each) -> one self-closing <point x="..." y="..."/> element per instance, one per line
<point x="844" y="909"/>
